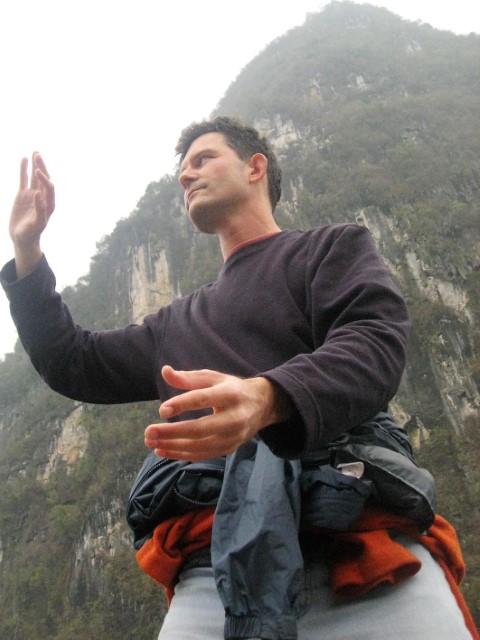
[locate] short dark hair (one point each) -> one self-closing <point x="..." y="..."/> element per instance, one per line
<point x="244" y="140"/>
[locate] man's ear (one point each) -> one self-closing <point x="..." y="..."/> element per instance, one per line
<point x="258" y="167"/>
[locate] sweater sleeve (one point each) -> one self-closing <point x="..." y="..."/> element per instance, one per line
<point x="360" y="329"/>
<point x="101" y="367"/>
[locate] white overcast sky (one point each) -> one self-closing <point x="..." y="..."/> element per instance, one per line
<point x="103" y="88"/>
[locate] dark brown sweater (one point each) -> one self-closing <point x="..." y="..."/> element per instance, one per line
<point x="316" y="312"/>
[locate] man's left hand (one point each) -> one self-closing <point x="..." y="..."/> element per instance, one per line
<point x="241" y="407"/>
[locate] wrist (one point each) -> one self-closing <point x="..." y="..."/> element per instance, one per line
<point x="278" y="405"/>
<point x="26" y="260"/>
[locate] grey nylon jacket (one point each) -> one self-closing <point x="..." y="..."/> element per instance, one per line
<point x="255" y="549"/>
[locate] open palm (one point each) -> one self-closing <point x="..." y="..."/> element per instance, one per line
<point x="33" y="204"/>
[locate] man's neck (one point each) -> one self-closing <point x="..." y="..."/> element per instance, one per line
<point x="251" y="241"/>
<point x="245" y="228"/>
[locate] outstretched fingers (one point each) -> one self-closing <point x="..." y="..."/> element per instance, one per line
<point x="239" y="409"/>
<point x="24" y="174"/>
<point x="195" y="379"/>
<point x="47" y="191"/>
<point x="204" y="389"/>
<point x="38" y="163"/>
<point x="200" y="439"/>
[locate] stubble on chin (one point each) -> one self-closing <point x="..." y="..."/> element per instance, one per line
<point x="205" y="219"/>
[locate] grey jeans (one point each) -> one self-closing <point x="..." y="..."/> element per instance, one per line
<point x="421" y="608"/>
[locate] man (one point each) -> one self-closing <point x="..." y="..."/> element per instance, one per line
<point x="301" y="338"/>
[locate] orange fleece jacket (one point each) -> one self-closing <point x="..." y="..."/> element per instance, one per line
<point x="360" y="559"/>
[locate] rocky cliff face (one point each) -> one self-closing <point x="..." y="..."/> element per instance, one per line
<point x="449" y="376"/>
<point x="69" y="446"/>
<point x="150" y="286"/>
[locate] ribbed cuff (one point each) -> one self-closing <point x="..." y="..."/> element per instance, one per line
<point x="282" y="627"/>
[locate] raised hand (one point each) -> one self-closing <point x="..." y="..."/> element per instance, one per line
<point x="240" y="409"/>
<point x="32" y="208"/>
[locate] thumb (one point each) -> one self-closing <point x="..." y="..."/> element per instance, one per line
<point x="189" y="380"/>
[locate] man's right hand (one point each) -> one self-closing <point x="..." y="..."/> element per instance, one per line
<point x="31" y="211"/>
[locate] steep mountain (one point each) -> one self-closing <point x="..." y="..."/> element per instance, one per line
<point x="376" y="121"/>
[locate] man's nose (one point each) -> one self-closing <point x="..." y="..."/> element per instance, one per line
<point x="186" y="177"/>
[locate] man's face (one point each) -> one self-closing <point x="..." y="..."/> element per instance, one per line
<point x="215" y="181"/>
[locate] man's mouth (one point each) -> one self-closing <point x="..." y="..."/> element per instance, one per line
<point x="189" y="195"/>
